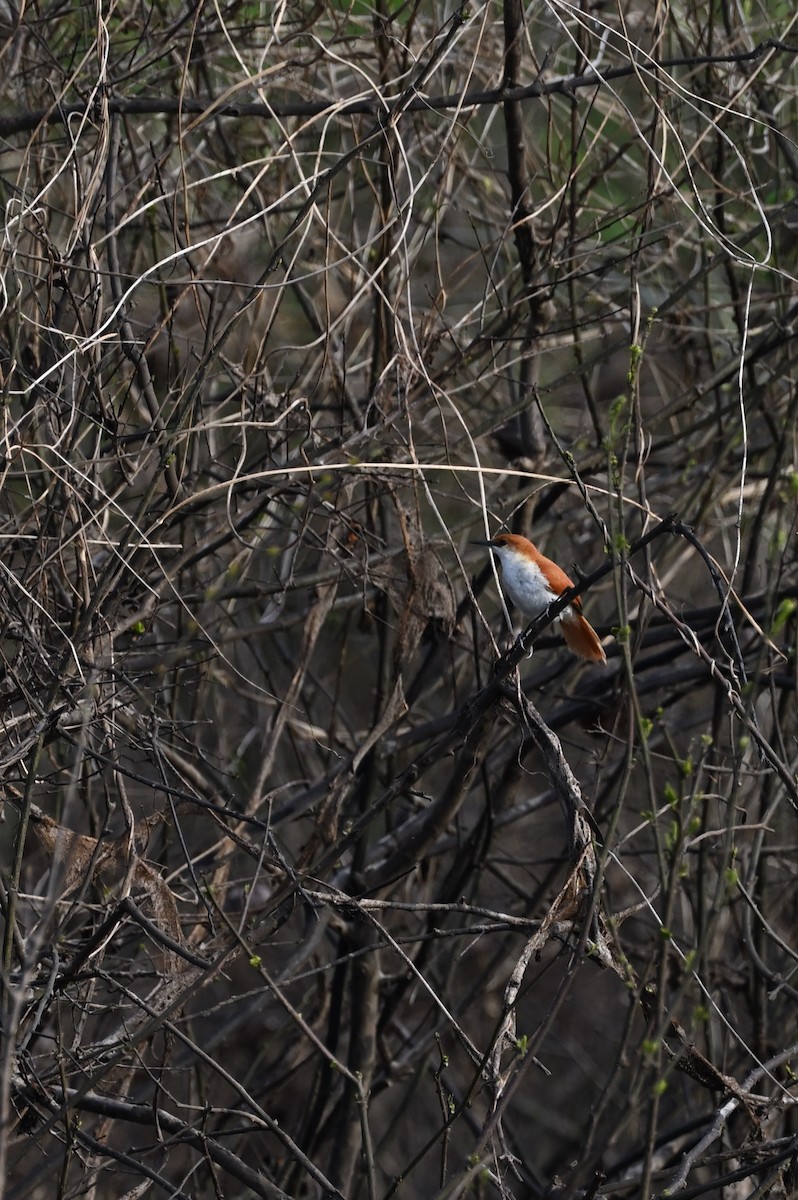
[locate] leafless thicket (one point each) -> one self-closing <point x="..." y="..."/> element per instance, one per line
<point x="314" y="884"/>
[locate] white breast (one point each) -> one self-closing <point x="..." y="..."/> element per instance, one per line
<point x="525" y="584"/>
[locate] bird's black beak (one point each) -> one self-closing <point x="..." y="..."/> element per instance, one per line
<point x="480" y="542"/>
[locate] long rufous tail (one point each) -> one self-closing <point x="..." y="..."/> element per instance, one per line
<point x="582" y="639"/>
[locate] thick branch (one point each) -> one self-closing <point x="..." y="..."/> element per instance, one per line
<point x="208" y="108"/>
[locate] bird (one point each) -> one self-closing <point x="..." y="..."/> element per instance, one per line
<point x="532" y="581"/>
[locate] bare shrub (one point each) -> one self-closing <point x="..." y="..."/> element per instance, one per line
<point x="314" y="883"/>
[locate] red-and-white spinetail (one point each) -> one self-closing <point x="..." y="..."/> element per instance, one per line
<point x="532" y="581"/>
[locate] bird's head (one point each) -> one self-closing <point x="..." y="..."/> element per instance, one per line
<point x="507" y="543"/>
